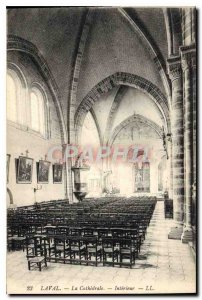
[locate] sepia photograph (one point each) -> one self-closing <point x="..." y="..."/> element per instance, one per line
<point x="108" y="95"/>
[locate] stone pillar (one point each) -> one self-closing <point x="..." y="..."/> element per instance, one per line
<point x="170" y="168"/>
<point x="194" y="119"/>
<point x="65" y="170"/>
<point x="188" y="60"/>
<point x="175" y="73"/>
<point x="67" y="164"/>
<point x="194" y="198"/>
<point x="188" y="25"/>
<point x="70" y="161"/>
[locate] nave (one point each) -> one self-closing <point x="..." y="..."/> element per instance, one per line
<point x="160" y="259"/>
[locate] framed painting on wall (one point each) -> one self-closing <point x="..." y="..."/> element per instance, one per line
<point x="8" y="156"/>
<point x="43" y="171"/>
<point x="24" y="169"/>
<point x="57" y="173"/>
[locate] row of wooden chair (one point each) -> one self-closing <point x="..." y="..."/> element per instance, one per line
<point x="20" y="225"/>
<point x="84" y="250"/>
<point x="104" y="231"/>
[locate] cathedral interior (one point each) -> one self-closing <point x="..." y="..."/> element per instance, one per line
<point x="81" y="79"/>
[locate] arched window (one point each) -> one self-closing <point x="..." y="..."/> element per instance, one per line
<point x="16" y="98"/>
<point x="142" y="177"/>
<point x="29" y="109"/>
<point x="38" y="111"/>
<point x="11" y="92"/>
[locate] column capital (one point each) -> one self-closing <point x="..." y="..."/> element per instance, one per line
<point x="188" y="56"/>
<point x="174" y="68"/>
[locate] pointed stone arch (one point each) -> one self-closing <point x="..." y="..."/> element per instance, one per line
<point x="131" y="119"/>
<point x="121" y="78"/>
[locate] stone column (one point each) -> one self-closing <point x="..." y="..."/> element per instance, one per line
<point x="65" y="170"/>
<point x="175" y="73"/>
<point x="170" y="168"/>
<point x="188" y="60"/>
<point x="194" y="118"/>
<point x="194" y="198"/>
<point x="67" y="164"/>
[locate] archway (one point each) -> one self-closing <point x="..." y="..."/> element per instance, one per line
<point x="142" y="139"/>
<point x="108" y="84"/>
<point x="135" y="118"/>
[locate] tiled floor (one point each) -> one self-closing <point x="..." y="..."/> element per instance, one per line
<point x="164" y="266"/>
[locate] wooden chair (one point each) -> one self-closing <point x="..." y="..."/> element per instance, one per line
<point x="77" y="249"/>
<point x="60" y="248"/>
<point x="93" y="250"/>
<point x="16" y="243"/>
<point x="128" y="252"/>
<point x="118" y="232"/>
<point x="133" y="235"/>
<point x="102" y="232"/>
<point x="88" y="231"/>
<point x="75" y="231"/>
<point x="37" y="263"/>
<point x="110" y="251"/>
<point x="62" y="230"/>
<point x="34" y="246"/>
<point x="46" y="244"/>
<point x="50" y="230"/>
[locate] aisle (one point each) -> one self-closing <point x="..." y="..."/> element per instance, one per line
<point x="163" y="266"/>
<point x="168" y="264"/>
